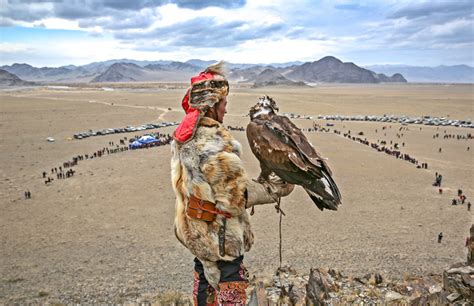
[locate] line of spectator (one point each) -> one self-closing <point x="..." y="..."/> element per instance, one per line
<point x="112" y="148"/>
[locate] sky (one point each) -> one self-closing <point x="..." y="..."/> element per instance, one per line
<point x="61" y="32"/>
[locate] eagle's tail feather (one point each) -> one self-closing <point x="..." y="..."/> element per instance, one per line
<point x="331" y="185"/>
<point x="324" y="193"/>
<point x="320" y="202"/>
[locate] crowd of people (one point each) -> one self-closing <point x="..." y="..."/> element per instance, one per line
<point x="60" y="172"/>
<point x="380" y="146"/>
<point x="393" y="150"/>
<point x="455" y="136"/>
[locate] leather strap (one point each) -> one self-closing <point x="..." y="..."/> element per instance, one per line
<point x="222" y="237"/>
<point x="204" y="210"/>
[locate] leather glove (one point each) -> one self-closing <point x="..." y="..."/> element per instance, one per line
<point x="267" y="192"/>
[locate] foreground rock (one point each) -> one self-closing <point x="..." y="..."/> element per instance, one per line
<point x="320" y="287"/>
<point x="331" y="287"/>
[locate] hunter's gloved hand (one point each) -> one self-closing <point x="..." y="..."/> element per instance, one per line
<point x="267" y="192"/>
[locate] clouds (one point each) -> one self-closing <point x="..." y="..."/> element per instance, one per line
<point x="120" y="21"/>
<point x="435" y="24"/>
<point x="297" y="30"/>
<point x="12" y="11"/>
<point x="34" y="10"/>
<point x="227" y="4"/>
<point x="202" y="31"/>
<point x="458" y="8"/>
<point x="97" y="15"/>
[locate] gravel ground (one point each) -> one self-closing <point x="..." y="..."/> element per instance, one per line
<point x="105" y="235"/>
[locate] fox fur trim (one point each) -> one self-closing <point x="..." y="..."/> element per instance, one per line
<point x="209" y="167"/>
<point x="207" y="92"/>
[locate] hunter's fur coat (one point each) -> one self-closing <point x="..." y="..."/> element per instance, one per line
<point x="209" y="167"/>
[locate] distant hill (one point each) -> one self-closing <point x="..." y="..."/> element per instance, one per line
<point x="155" y="67"/>
<point x="326" y="70"/>
<point x="397" y="78"/>
<point x="164" y="72"/>
<point x="120" y="72"/>
<point x="30" y="73"/>
<point x="9" y="79"/>
<point x="183" y="67"/>
<point x="246" y="74"/>
<point x="439" y="74"/>
<point x="332" y="70"/>
<point x="271" y="77"/>
<point x="199" y="63"/>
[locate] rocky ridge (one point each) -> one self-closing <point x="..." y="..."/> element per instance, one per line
<point x="332" y="70"/>
<point x="326" y="70"/>
<point x="270" y="77"/>
<point x="9" y="79"/>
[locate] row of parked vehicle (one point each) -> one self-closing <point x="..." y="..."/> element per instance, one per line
<point x="127" y="129"/>
<point x="403" y="119"/>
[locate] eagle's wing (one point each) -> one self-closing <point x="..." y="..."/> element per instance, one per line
<point x="284" y="128"/>
<point x="283" y="148"/>
<point x="269" y="149"/>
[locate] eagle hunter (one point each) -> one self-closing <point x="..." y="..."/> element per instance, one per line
<point x="283" y="149"/>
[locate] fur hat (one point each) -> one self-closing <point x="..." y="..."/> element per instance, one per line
<point x="207" y="88"/>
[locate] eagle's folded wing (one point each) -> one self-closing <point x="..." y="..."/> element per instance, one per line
<point x="286" y="150"/>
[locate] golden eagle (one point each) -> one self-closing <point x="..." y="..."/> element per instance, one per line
<point x="283" y="149"/>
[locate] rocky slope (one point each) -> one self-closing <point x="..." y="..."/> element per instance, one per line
<point x="332" y="70"/>
<point x="271" y="77"/>
<point x="120" y="72"/>
<point x="331" y="287"/>
<point x="441" y="74"/>
<point x="9" y="79"/>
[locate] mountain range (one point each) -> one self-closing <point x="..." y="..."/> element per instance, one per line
<point x="326" y="70"/>
<point x="9" y="79"/>
<point x="439" y="74"/>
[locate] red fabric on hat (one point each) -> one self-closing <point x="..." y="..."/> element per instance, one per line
<point x="186" y="128"/>
<point x="185" y="102"/>
<point x="201" y="77"/>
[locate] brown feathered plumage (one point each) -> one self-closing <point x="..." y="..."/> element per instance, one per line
<point x="283" y="149"/>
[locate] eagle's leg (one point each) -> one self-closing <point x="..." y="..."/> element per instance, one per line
<point x="264" y="174"/>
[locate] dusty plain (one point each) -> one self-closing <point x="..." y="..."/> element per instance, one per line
<point x="105" y="235"/>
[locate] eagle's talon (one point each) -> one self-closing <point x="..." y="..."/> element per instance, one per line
<point x="261" y="179"/>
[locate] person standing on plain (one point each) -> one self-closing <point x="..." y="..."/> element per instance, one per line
<point x="213" y="191"/>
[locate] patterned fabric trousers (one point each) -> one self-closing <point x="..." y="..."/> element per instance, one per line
<point x="232" y="285"/>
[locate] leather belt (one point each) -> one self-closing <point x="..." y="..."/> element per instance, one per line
<point x="204" y="210"/>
